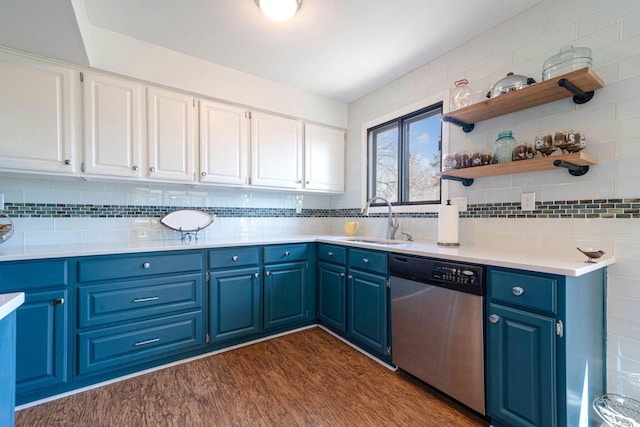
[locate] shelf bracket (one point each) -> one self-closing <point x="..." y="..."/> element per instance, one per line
<point x="465" y="181"/>
<point x="466" y="127"/>
<point x="579" y="97"/>
<point x="574" y="170"/>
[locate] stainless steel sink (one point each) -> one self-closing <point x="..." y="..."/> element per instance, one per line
<point x="373" y="241"/>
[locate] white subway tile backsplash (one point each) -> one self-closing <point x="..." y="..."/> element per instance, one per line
<point x="631" y="26"/>
<point x="608" y="13"/>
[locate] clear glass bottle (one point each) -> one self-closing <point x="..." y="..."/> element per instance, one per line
<point x="461" y="95"/>
<point x="503" y="147"/>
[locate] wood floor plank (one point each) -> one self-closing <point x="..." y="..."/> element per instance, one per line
<point x="308" y="378"/>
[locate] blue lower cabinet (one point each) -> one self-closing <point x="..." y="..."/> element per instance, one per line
<point x="285" y="294"/>
<point x="521" y="367"/>
<point x="41" y="345"/>
<point x="8" y="370"/>
<point x="332" y="292"/>
<point x="111" y="348"/>
<point x="367" y="321"/>
<point x="234" y="303"/>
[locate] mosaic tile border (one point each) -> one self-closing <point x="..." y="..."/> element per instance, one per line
<point x="596" y="208"/>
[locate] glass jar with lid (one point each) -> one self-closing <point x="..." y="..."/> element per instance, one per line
<point x="461" y="95"/>
<point x="503" y="147"/>
<point x="569" y="59"/>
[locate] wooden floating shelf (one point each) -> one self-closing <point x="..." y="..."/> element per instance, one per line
<point x="579" y="160"/>
<point x="585" y="80"/>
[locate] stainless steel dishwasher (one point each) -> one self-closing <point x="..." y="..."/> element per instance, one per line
<point x="437" y="325"/>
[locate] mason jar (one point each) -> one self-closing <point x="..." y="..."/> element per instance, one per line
<point x="503" y="147"/>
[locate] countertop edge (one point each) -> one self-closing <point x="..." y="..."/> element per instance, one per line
<point x="10" y="302"/>
<point x="572" y="265"/>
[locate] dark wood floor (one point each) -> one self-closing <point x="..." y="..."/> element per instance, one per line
<point x="308" y="378"/>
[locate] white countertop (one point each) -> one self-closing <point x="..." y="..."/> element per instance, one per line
<point x="570" y="265"/>
<point x="9" y="302"/>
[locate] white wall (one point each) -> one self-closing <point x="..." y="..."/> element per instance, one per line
<point x="611" y="122"/>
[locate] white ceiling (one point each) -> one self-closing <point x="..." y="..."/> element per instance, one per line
<point x="340" y="49"/>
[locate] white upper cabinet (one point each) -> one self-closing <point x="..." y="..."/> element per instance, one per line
<point x="324" y="158"/>
<point x="114" y="126"/>
<point x="171" y="133"/>
<point x="224" y="144"/>
<point x="38" y="116"/>
<point x="276" y="151"/>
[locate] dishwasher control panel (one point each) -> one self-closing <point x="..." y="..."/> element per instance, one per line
<point x="456" y="274"/>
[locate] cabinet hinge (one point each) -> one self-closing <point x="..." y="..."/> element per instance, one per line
<point x="247" y="180"/>
<point x="82" y="166"/>
<point x="388" y="283"/>
<point x="559" y="328"/>
<point x="388" y="352"/>
<point x="247" y="114"/>
<point x="194" y="102"/>
<point x="207" y="339"/>
<point x="81" y="77"/>
<point x="207" y="277"/>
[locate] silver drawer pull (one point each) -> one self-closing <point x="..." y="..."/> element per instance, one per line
<point x="146" y="299"/>
<point x="146" y="265"/>
<point x="234" y="258"/>
<point x="365" y="260"/>
<point x="494" y="318"/>
<point x="268" y="273"/>
<point x="58" y="301"/>
<point x="287" y="253"/>
<point x="256" y="275"/>
<point x="146" y="342"/>
<point x="330" y="253"/>
<point x="341" y="274"/>
<point x="517" y="290"/>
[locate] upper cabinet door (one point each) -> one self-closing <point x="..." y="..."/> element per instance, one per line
<point x="113" y="125"/>
<point x="223" y="144"/>
<point x="276" y="151"/>
<point x="38" y="116"/>
<point x="324" y="158"/>
<point x="171" y="135"/>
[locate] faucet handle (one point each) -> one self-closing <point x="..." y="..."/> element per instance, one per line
<point x="408" y="236"/>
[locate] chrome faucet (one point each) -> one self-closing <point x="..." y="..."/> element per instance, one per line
<point x="392" y="224"/>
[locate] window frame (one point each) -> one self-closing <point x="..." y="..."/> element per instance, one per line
<point x="408" y="110"/>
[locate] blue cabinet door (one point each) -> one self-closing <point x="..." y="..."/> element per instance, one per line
<point x="367" y="310"/>
<point x="8" y="370"/>
<point x="41" y="345"/>
<point x="234" y="303"/>
<point x="285" y="294"/>
<point x="521" y="354"/>
<point x="332" y="292"/>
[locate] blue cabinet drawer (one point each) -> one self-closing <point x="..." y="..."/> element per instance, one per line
<point x="285" y="253"/>
<point x="332" y="253"/>
<point x="233" y="257"/>
<point x="114" y="302"/>
<point x="372" y="261"/>
<point x="25" y="275"/>
<point x="137" y="265"/>
<point x="137" y="342"/>
<point x="523" y="290"/>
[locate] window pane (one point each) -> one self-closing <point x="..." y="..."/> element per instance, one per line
<point x="422" y="139"/>
<point x="385" y="143"/>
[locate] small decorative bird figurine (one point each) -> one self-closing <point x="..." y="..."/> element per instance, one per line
<point x="592" y="255"/>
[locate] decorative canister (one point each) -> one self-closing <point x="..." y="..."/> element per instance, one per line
<point x="503" y="147"/>
<point x="569" y="59"/>
<point x="461" y="95"/>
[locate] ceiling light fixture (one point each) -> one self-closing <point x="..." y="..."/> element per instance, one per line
<point x="279" y="10"/>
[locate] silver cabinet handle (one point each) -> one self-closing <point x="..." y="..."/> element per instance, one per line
<point x="268" y="273"/>
<point x="330" y="253"/>
<point x="58" y="301"/>
<point x="146" y="265"/>
<point x="287" y="253"/>
<point x="234" y="258"/>
<point x="307" y="182"/>
<point x="256" y="275"/>
<point x="517" y="290"/>
<point x="152" y="169"/>
<point x="135" y="167"/>
<point x="151" y="341"/>
<point x="349" y="277"/>
<point x="67" y="162"/>
<point x="341" y="274"/>
<point x="299" y="181"/>
<point x="365" y="260"/>
<point x="203" y="174"/>
<point x="146" y="299"/>
<point x="494" y="318"/>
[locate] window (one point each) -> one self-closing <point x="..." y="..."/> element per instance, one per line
<point x="403" y="157"/>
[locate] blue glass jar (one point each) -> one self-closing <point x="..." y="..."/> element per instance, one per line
<point x="504" y="146"/>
